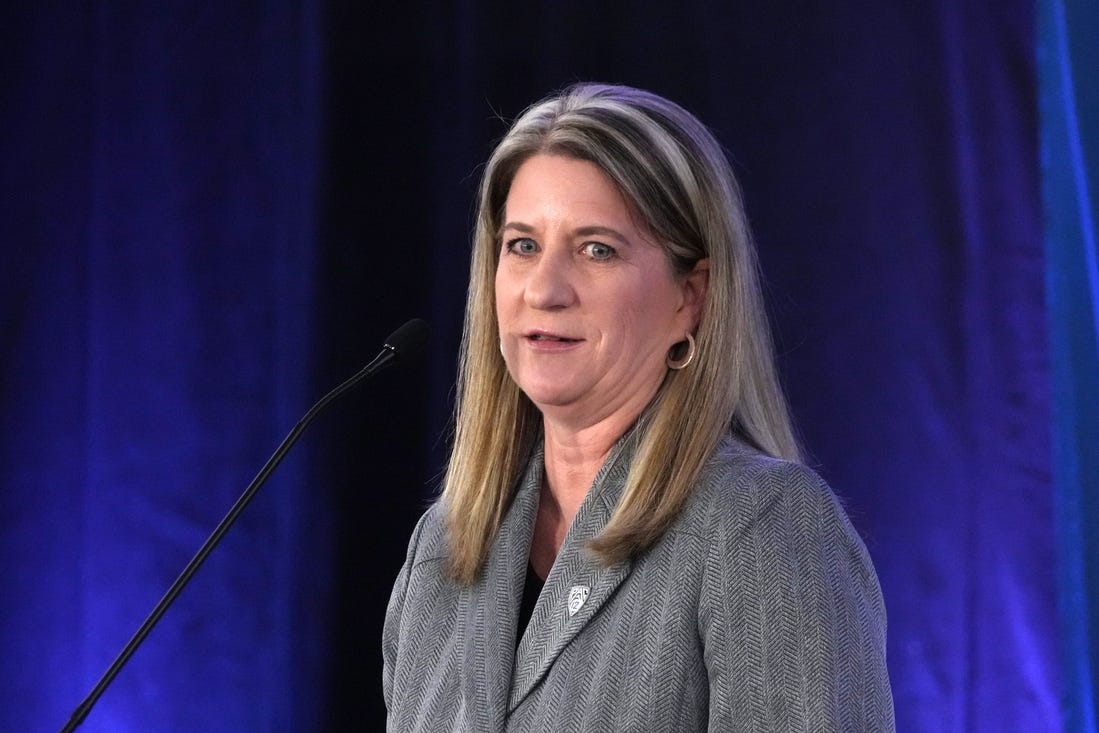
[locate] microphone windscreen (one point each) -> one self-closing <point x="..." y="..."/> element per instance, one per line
<point x="409" y="340"/>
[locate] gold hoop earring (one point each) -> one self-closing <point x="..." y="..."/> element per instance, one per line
<point x="677" y="364"/>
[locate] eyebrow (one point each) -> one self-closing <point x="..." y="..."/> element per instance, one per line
<point x="580" y="232"/>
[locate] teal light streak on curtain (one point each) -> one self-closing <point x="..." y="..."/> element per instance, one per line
<point x="1068" y="63"/>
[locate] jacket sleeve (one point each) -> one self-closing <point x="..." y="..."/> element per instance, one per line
<point x="791" y="615"/>
<point x="391" y="631"/>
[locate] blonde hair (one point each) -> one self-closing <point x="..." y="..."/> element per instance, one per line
<point x="676" y="177"/>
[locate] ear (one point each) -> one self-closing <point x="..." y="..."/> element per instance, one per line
<point x="695" y="285"/>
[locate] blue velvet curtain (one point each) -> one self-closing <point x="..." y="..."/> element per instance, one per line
<point x="159" y="194"/>
<point x="1070" y="167"/>
<point x="211" y="214"/>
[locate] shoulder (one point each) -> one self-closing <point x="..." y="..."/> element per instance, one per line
<point x="779" y="523"/>
<point x="739" y="484"/>
<point x="774" y="513"/>
<point x="428" y="541"/>
<point x="789" y="594"/>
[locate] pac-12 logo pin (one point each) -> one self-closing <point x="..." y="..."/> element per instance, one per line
<point x="577" y="596"/>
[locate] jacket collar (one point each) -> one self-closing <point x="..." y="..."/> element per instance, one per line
<point x="498" y="676"/>
<point x="578" y="584"/>
<point x="491" y="609"/>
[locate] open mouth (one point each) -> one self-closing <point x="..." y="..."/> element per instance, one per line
<point x="551" y="337"/>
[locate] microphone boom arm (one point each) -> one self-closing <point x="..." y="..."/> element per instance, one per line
<point x="415" y="334"/>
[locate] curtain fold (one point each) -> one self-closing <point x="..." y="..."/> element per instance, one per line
<point x="159" y="190"/>
<point x="1070" y="167"/>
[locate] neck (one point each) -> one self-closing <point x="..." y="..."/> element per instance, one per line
<point x="574" y="456"/>
<point x="577" y="444"/>
<point x="572" y="459"/>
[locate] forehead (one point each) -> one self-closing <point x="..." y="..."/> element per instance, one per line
<point x="549" y="186"/>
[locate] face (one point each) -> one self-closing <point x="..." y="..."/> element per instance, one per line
<point x="587" y="304"/>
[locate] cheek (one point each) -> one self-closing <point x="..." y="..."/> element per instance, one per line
<point x="634" y="319"/>
<point x="500" y="286"/>
<point x="657" y="300"/>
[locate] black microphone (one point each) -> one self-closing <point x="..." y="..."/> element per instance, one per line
<point x="403" y="344"/>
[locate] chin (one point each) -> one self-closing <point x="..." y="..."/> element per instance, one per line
<point x="545" y="397"/>
<point x="547" y="402"/>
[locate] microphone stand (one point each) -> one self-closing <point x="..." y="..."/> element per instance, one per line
<point x="415" y="331"/>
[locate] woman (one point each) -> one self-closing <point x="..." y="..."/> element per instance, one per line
<point x="625" y="539"/>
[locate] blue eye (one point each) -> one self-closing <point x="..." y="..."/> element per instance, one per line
<point x="599" y="251"/>
<point x="522" y="246"/>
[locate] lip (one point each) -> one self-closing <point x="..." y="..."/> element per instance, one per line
<point x="541" y="333"/>
<point x="544" y="340"/>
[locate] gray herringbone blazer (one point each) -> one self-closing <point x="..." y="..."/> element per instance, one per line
<point x="758" y="611"/>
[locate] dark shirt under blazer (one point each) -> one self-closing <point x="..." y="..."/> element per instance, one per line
<point x="757" y="611"/>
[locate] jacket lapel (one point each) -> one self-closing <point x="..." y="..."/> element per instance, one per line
<point x="577" y="586"/>
<point x="491" y="610"/>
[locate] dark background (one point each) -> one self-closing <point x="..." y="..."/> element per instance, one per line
<point x="211" y="214"/>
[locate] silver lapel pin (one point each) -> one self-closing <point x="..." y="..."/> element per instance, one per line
<point x="577" y="595"/>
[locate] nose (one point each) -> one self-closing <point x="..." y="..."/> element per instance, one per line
<point x="550" y="284"/>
